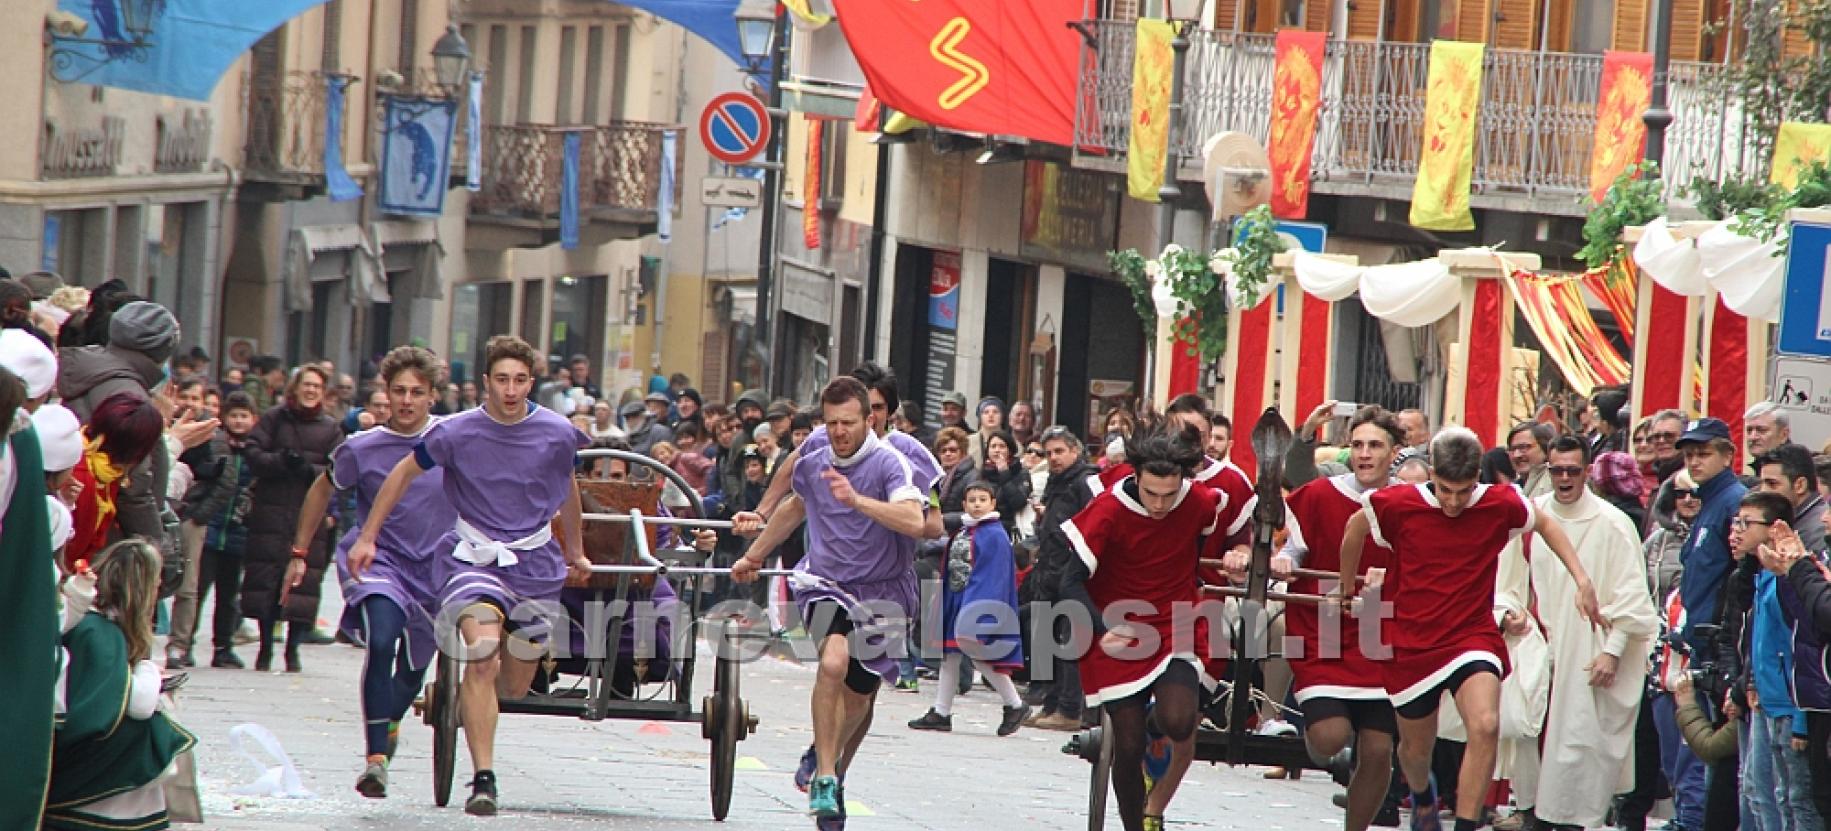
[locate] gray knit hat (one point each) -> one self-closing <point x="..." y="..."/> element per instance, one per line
<point x="145" y="327"/>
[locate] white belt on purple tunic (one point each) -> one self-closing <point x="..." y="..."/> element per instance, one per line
<point x="477" y="548"/>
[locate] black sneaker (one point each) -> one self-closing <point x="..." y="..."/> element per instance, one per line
<point x="933" y="721"/>
<point x="226" y="659"/>
<point x="482" y="801"/>
<point x="1014" y="718"/>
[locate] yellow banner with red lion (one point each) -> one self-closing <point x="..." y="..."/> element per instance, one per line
<point x="1296" y="96"/>
<point x="1150" y="141"/>
<point x="1446" y="165"/>
<point x="1621" y="133"/>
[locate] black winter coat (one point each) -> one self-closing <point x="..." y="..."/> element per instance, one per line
<point x="1064" y="496"/>
<point x="287" y="452"/>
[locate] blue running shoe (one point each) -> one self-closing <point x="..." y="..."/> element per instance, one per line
<point x="823" y="798"/>
<point x="837" y="823"/>
<point x="804" y="772"/>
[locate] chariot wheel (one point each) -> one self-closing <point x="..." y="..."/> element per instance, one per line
<point x="442" y="716"/>
<point x="725" y="723"/>
<point x="1101" y="753"/>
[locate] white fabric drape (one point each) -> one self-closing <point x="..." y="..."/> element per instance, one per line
<point x="1406" y="294"/>
<point x="1749" y="274"/>
<point x="1672" y="262"/>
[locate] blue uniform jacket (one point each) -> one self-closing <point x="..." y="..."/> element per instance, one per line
<point x="1706" y="554"/>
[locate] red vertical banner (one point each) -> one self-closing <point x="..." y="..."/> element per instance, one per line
<point x="1728" y="371"/>
<point x="1313" y="353"/>
<point x="1482" y="388"/>
<point x="810" y="196"/>
<point x="1185" y="369"/>
<point x="1296" y="97"/>
<point x="1621" y="134"/>
<point x="1662" y="375"/>
<point x="1254" y="353"/>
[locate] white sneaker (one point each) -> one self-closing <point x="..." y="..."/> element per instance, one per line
<point x="1276" y="727"/>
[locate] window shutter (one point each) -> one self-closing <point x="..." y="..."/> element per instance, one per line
<point x="1631" y="25"/>
<point x="1316" y="15"/>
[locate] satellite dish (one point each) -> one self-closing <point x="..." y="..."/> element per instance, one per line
<point x="1238" y="173"/>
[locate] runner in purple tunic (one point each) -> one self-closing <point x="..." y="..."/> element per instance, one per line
<point x="864" y="512"/>
<point x="508" y="473"/>
<point x="389" y="605"/>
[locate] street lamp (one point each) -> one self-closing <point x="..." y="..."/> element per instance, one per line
<point x="1658" y="116"/>
<point x="1181" y="14"/>
<point x="756" y="33"/>
<point x="451" y="58"/>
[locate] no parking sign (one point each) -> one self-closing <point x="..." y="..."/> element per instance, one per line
<point x="734" y="127"/>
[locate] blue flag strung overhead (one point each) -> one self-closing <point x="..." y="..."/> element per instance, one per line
<point x="337" y="182"/>
<point x="416" y="155"/>
<point x="179" y="48"/>
<point x="569" y="193"/>
<point x="714" y="21"/>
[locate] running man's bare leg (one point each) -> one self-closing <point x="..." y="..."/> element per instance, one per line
<point x="858" y="735"/>
<point x="1478" y="702"/>
<point x="477" y="703"/>
<point x="1417" y="739"/>
<point x="837" y="710"/>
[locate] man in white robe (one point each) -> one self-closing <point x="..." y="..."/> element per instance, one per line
<point x="1596" y="675"/>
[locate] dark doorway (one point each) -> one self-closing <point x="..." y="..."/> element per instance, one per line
<point x="1005" y="328"/>
<point x="909" y="325"/>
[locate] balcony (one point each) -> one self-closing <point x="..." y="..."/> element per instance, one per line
<point x="284" y="155"/>
<point x="523" y="167"/>
<point x="1536" y="125"/>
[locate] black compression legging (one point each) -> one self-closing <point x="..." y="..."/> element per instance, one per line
<point x="1177" y="695"/>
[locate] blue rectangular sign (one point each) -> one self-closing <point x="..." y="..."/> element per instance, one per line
<point x="1310" y="236"/>
<point x="1805" y="308"/>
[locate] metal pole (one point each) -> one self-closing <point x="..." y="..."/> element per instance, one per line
<point x="1658" y="117"/>
<point x="772" y="195"/>
<point x="1170" y="192"/>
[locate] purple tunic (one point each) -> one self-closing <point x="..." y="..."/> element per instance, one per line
<point x="402" y="570"/>
<point x="922" y="464"/>
<point x="867" y="568"/>
<point x="508" y="481"/>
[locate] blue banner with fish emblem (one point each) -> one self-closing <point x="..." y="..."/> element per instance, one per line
<point x="179" y="48"/>
<point x="416" y="154"/>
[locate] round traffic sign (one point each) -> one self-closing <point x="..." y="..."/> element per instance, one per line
<point x="734" y="127"/>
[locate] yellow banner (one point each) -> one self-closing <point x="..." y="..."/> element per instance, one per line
<point x="1796" y="148"/>
<point x="1151" y="68"/>
<point x="1440" y="198"/>
<point x="805" y="10"/>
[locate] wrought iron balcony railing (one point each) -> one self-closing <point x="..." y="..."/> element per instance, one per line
<point x="286" y="127"/>
<point x="524" y="166"/>
<point x="1535" y="129"/>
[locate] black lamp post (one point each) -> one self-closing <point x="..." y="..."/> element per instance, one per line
<point x="761" y="26"/>
<point x="1657" y="116"/>
<point x="451" y="59"/>
<point x="1181" y="15"/>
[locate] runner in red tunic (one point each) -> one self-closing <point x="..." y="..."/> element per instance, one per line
<point x="1238" y="496"/>
<point x="1337" y="686"/>
<point x="1446" y="537"/>
<point x="1139" y="544"/>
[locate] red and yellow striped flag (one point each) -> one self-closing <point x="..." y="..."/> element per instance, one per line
<point x="1796" y="147"/>
<point x="1296" y="95"/>
<point x="1621" y="133"/>
<point x="1440" y="197"/>
<point x="1150" y="141"/>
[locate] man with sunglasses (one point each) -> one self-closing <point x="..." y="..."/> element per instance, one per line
<point x="1597" y="675"/>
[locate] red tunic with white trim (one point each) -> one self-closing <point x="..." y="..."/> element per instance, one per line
<point x="1132" y="557"/>
<point x="1317" y="517"/>
<point x="1441" y="580"/>
<point x="1238" y="499"/>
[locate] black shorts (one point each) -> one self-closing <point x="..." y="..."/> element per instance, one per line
<point x="821" y="625"/>
<point x="1177" y="674"/>
<point x="1426" y="704"/>
<point x="1361" y="713"/>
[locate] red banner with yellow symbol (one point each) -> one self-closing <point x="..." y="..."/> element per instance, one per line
<point x="1296" y="97"/>
<point x="1152" y="67"/>
<point x="1003" y="68"/>
<point x="1446" y="165"/>
<point x="1621" y="133"/>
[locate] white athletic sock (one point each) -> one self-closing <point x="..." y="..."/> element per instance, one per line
<point x="1001" y="684"/>
<point x="944" y="688"/>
